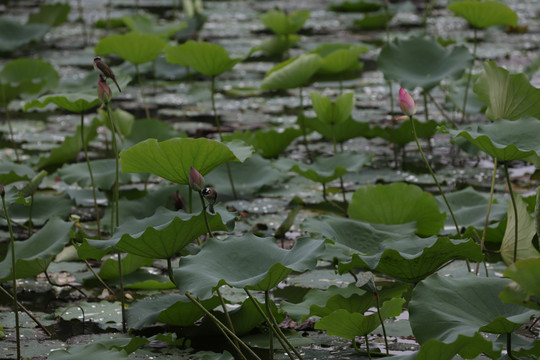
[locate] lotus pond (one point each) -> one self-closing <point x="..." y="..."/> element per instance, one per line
<point x="374" y="164"/>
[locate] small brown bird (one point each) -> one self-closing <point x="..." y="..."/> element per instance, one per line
<point x="105" y="70"/>
<point x="210" y="196"/>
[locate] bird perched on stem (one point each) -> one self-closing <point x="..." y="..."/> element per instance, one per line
<point x="210" y="195"/>
<point x="105" y="70"/>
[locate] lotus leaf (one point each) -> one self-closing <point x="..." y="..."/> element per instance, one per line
<point x="171" y="159"/>
<point x="277" y="45"/>
<point x="207" y="58"/>
<point x="162" y="235"/>
<point x="44" y="206"/>
<point x="397" y="203"/>
<point x="445" y="309"/>
<point x="373" y="21"/>
<point x="525" y="290"/>
<point x="11" y="172"/>
<point x="130" y="264"/>
<point x="343" y="131"/>
<point x="244" y="262"/>
<point x="526" y="233"/>
<point x="357" y="6"/>
<point x="339" y="58"/>
<point x="421" y="62"/>
<point x="326" y="169"/>
<point x="103" y="170"/>
<point x="135" y="47"/>
<point x="508" y="96"/>
<point x="269" y="142"/>
<point x="282" y="23"/>
<point x="292" y="73"/>
<point x="143" y="129"/>
<point x="506" y="140"/>
<point x="14" y="35"/>
<point x="333" y="112"/>
<point x="403" y="134"/>
<point x="50" y="14"/>
<point x="483" y="14"/>
<point x="145" y="25"/>
<point x="87" y="352"/>
<point x="349" y="325"/>
<point x="74" y="102"/>
<point x="34" y="255"/>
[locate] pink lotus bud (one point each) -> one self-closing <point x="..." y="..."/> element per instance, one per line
<point x="196" y="180"/>
<point x="406" y="103"/>
<point x="103" y="91"/>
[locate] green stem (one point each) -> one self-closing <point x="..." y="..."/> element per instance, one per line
<point x="21" y="306"/>
<point x="270" y="323"/>
<point x="435" y="178"/>
<point x="122" y="293"/>
<point x="205" y="218"/>
<point x="440" y="108"/>
<point x="490" y="202"/>
<point x="367" y="346"/>
<point x="469" y="77"/>
<point x="8" y="119"/>
<point x="509" y="346"/>
<point x="190" y="198"/>
<point x="382" y="323"/>
<point x="221" y="326"/>
<point x="49" y="280"/>
<point x="509" y="184"/>
<point x="13" y="274"/>
<point x="170" y="271"/>
<point x="142" y="92"/>
<point x="218" y="125"/>
<point x="92" y="182"/>
<point x="303" y="124"/>
<point x="395" y="146"/>
<point x="270" y="333"/>
<point x="229" y="320"/>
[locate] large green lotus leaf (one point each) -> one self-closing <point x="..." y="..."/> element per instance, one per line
<point x="526" y="233"/>
<point x="397" y="203"/>
<point x="169" y="309"/>
<point x="130" y="264"/>
<point x="445" y="308"/>
<point x="339" y="58"/>
<point x="277" y="45"/>
<point x="143" y="129"/>
<point x="325" y="169"/>
<point x="74" y="102"/>
<point x="403" y="134"/>
<point x="244" y="262"/>
<point x="70" y="147"/>
<point x="508" y="96"/>
<point x="282" y="23"/>
<point x="292" y="73"/>
<point x="333" y="112"/>
<point x="50" y="14"/>
<point x="525" y="289"/>
<point x="14" y="35"/>
<point x="26" y="76"/>
<point x="268" y="142"/>
<point x="393" y="250"/>
<point x="483" y="14"/>
<point x="45" y="205"/>
<point x="11" y="172"/>
<point x="103" y="171"/>
<point x="422" y="62"/>
<point x="249" y="177"/>
<point x="162" y="235"/>
<point x="34" y="254"/>
<point x="207" y="58"/>
<point x="349" y="325"/>
<point x="506" y="140"/>
<point x="470" y="207"/>
<point x="345" y="130"/>
<point x="87" y="352"/>
<point x="171" y="159"/>
<point x="146" y="25"/>
<point x="374" y="21"/>
<point x="135" y="47"/>
<point x="356" y="6"/>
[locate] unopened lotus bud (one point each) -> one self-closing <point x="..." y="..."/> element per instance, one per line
<point x="196" y="180"/>
<point x="103" y="91"/>
<point x="406" y="103"/>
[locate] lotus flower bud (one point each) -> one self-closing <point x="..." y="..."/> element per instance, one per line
<point x="103" y="91"/>
<point x="196" y="180"/>
<point x="2" y="190"/>
<point x="406" y="103"/>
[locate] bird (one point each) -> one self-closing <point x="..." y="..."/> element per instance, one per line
<point x="210" y="195"/>
<point x="105" y="70"/>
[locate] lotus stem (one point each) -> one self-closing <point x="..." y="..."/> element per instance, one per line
<point x="8" y="119"/>
<point x="469" y="77"/>
<point x="229" y="320"/>
<point x="92" y="182"/>
<point x="382" y="323"/>
<point x="21" y="306"/>
<point x="111" y="291"/>
<point x="270" y="323"/>
<point x="170" y="271"/>
<point x="13" y="272"/>
<point x="303" y="124"/>
<point x="63" y="285"/>
<point x="205" y="218"/>
<point x="395" y="147"/>
<point x="122" y="293"/>
<point x="224" y="329"/>
<point x="509" y="184"/>
<point x="147" y="112"/>
<point x="509" y="346"/>
<point x="218" y="125"/>
<point x="435" y="179"/>
<point x="486" y="221"/>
